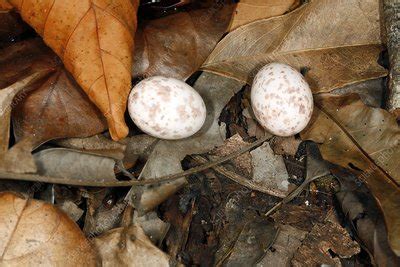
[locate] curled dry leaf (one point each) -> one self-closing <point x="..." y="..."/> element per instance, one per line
<point x="74" y="165"/>
<point x="336" y="42"/>
<point x="18" y="158"/>
<point x="176" y="45"/>
<point x="129" y="247"/>
<point x="366" y="139"/>
<point x="34" y="233"/>
<point x="52" y="107"/>
<point x="94" y="39"/>
<point x="248" y="11"/>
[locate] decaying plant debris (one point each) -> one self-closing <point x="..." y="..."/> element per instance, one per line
<point x="80" y="184"/>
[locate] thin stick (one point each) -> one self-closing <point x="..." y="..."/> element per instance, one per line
<point x="293" y="194"/>
<point x="163" y="179"/>
<point x="240" y="179"/>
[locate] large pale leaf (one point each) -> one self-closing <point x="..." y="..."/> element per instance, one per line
<point x="336" y="42"/>
<point x="366" y="139"/>
<point x="94" y="39"/>
<point x="34" y="233"/>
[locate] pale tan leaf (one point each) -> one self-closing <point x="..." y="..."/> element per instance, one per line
<point x="335" y="42"/>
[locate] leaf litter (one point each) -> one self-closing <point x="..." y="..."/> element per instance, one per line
<point x="213" y="213"/>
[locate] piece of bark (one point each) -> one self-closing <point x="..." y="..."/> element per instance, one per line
<point x="391" y="14"/>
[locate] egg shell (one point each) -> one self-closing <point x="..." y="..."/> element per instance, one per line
<point x="281" y="99"/>
<point x="166" y="108"/>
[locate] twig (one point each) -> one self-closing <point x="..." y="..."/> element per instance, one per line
<point x="239" y="178"/>
<point x="292" y="195"/>
<point x="163" y="179"/>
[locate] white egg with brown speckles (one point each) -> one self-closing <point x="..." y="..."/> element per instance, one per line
<point x="281" y="99"/>
<point x="166" y="108"/>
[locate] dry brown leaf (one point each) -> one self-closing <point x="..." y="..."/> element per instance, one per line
<point x="53" y="107"/>
<point x="34" y="233"/>
<point x="6" y="99"/>
<point x="176" y="45"/>
<point x="336" y="42"/>
<point x="248" y="11"/>
<point x="17" y="159"/>
<point x="366" y="139"/>
<point x="129" y="247"/>
<point x="94" y="39"/>
<point x="372" y="129"/>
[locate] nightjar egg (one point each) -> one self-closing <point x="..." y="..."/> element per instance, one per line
<point x="281" y="99"/>
<point x="166" y="108"/>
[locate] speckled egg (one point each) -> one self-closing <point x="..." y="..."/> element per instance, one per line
<point x="281" y="99"/>
<point x="166" y="108"/>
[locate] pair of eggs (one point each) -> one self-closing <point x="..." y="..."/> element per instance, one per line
<point x="168" y="108"/>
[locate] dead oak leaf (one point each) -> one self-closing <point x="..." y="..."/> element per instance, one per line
<point x="94" y="39"/>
